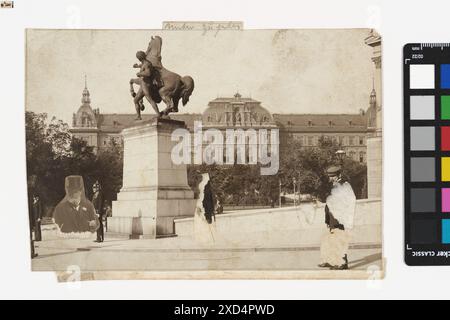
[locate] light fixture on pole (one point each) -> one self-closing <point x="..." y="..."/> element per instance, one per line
<point x="340" y="154"/>
<point x="294" y="182"/>
<point x="279" y="197"/>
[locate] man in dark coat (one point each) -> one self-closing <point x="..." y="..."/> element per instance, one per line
<point x="75" y="214"/>
<point x="37" y="216"/>
<point x="98" y="205"/>
<point x="208" y="202"/>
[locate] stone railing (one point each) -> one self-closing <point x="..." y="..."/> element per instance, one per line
<point x="300" y="225"/>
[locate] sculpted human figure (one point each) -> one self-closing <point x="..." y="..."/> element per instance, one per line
<point x="145" y="82"/>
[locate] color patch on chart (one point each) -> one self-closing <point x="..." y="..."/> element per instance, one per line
<point x="445" y="107"/>
<point x="445" y="76"/>
<point x="422" y="108"/>
<point x="426" y="88"/>
<point x="423" y="169"/>
<point x="422" y="138"/>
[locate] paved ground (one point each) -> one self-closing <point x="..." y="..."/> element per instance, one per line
<point x="171" y="254"/>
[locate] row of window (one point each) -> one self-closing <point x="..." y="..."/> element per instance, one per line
<point x="357" y="156"/>
<point x="341" y="140"/>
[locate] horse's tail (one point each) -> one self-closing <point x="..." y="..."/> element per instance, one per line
<point x="188" y="87"/>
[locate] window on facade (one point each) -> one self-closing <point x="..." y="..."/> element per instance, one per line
<point x="362" y="157"/>
<point x="361" y="141"/>
<point x="351" y="141"/>
<point x="310" y="123"/>
<point x="330" y="123"/>
<point x="352" y="154"/>
<point x="310" y="141"/>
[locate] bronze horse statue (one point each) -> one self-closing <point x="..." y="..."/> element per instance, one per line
<point x="157" y="83"/>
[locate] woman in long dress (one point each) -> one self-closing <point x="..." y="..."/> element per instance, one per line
<point x="204" y="222"/>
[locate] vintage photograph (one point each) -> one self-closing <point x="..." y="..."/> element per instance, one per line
<point x="193" y="154"/>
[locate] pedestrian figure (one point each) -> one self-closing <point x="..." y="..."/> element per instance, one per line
<point x="339" y="215"/>
<point x="98" y="205"/>
<point x="37" y="216"/>
<point x="204" y="226"/>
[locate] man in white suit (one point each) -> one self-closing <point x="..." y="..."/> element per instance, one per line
<point x="339" y="215"/>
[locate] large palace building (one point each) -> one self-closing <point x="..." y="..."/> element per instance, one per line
<point x="349" y="130"/>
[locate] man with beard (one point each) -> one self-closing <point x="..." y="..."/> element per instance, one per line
<point x="75" y="215"/>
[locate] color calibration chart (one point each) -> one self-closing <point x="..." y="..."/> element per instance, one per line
<point x="427" y="153"/>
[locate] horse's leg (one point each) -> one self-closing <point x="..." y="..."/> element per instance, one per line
<point x="166" y="95"/>
<point x="146" y="91"/>
<point x="137" y="103"/>
<point x="169" y="104"/>
<point x="175" y="101"/>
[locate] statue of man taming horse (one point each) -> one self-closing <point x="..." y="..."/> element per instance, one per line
<point x="157" y="84"/>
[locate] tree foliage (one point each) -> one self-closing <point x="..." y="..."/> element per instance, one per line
<point x="243" y="184"/>
<point x="53" y="153"/>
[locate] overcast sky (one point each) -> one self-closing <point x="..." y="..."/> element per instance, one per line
<point x="289" y="71"/>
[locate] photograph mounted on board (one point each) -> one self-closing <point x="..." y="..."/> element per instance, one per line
<point x="233" y="154"/>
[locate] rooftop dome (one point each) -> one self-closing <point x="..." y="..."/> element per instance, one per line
<point x="85" y="116"/>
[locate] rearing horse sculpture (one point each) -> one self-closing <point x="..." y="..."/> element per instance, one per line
<point x="157" y="83"/>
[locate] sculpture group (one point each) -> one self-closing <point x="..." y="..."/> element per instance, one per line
<point x="157" y="84"/>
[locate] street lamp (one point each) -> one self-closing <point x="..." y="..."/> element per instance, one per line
<point x="279" y="197"/>
<point x="340" y="154"/>
<point x="295" y="182"/>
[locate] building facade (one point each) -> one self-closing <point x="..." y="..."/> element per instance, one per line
<point x="350" y="131"/>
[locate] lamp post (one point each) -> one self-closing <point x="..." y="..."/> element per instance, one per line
<point x="294" y="181"/>
<point x="340" y="154"/>
<point x="279" y="197"/>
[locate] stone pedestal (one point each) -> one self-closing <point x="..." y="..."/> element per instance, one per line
<point x="155" y="191"/>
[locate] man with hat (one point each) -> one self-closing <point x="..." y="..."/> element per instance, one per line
<point x="75" y="215"/>
<point x="339" y="215"/>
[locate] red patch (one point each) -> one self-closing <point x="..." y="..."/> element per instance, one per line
<point x="445" y="138"/>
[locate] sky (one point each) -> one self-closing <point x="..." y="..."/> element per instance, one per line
<point x="289" y="71"/>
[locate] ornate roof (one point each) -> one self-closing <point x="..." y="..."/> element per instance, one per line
<point x="85" y="116"/>
<point x="236" y="111"/>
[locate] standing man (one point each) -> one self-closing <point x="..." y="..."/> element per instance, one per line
<point x="108" y="213"/>
<point x="37" y="216"/>
<point x="339" y="215"/>
<point x="208" y="202"/>
<point x="75" y="214"/>
<point x="97" y="201"/>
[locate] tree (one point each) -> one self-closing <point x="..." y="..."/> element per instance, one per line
<point x="52" y="154"/>
<point x="109" y="170"/>
<point x="309" y="166"/>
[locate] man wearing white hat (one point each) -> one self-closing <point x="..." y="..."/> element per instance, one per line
<point x="339" y="215"/>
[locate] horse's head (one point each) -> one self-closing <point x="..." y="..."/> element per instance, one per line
<point x="188" y="88"/>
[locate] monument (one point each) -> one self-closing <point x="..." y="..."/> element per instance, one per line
<point x="154" y="190"/>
